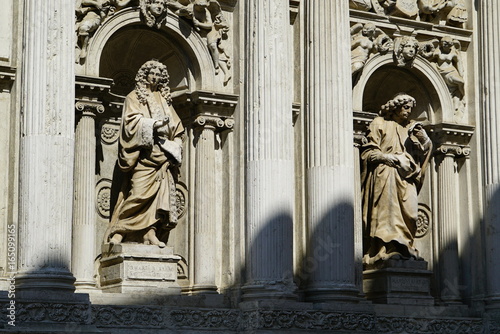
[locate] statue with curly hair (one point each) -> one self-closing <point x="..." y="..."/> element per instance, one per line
<point x="150" y="151"/>
<point x="394" y="161"/>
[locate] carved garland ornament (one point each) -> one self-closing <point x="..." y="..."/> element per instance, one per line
<point x="110" y="133"/>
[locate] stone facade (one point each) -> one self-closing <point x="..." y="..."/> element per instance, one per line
<point x="268" y="230"/>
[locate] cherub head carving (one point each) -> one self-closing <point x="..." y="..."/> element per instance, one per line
<point x="154" y="12"/>
<point x="405" y="50"/>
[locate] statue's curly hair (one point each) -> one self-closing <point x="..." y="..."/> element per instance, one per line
<point x="397" y="101"/>
<point x="141" y="82"/>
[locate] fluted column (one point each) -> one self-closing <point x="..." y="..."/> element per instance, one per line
<point x="47" y="146"/>
<point x="84" y="212"/>
<point x="205" y="204"/>
<point x="359" y="140"/>
<point x="329" y="152"/>
<point x="489" y="48"/>
<point x="448" y="222"/>
<point x="269" y="167"/>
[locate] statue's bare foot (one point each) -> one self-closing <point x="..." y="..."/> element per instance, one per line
<point x="116" y="239"/>
<point x="151" y="239"/>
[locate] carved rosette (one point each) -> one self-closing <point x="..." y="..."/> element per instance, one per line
<point x="424" y="220"/>
<point x="181" y="195"/>
<point x="103" y="198"/>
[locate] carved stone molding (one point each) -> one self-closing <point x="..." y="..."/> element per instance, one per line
<point x="56" y="312"/>
<point x="7" y="77"/>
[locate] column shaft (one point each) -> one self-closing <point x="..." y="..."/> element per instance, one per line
<point x="329" y="152"/>
<point x="47" y="146"/>
<point x="269" y="168"/>
<point x="205" y="210"/>
<point x="490" y="88"/>
<point x="84" y="217"/>
<point x="448" y="220"/>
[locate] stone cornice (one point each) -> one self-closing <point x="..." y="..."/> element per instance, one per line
<point x="449" y="133"/>
<point x="204" y="108"/>
<point x="296" y="107"/>
<point x="7" y="77"/>
<point x="361" y="120"/>
<point x="91" y="88"/>
<point x="294" y="9"/>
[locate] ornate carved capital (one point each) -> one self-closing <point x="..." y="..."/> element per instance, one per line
<point x="213" y="122"/>
<point x="89" y="108"/>
<point x="454" y="151"/>
<point x="452" y="139"/>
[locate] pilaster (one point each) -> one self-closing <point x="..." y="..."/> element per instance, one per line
<point x="329" y="153"/>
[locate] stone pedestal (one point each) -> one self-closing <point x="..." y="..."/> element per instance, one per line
<point x="398" y="282"/>
<point x="129" y="268"/>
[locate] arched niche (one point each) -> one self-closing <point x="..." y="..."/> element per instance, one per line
<point x="381" y="79"/>
<point x="124" y="42"/>
<point x="130" y="47"/>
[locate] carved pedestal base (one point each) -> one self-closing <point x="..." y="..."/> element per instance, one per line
<point x="398" y="282"/>
<point x="129" y="268"/>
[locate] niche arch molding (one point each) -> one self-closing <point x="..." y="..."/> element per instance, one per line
<point x="423" y="73"/>
<point x="175" y="30"/>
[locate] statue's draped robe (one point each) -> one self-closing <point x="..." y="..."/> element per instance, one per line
<point x="390" y="204"/>
<point x="147" y="196"/>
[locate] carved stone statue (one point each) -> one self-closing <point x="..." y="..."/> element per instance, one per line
<point x="365" y="41"/>
<point x="405" y="50"/>
<point x="150" y="151"/>
<point x="401" y="8"/>
<point x="360" y="4"/>
<point x="453" y="12"/>
<point x="89" y="16"/>
<point x="446" y="55"/>
<point x="154" y="12"/>
<point x="394" y="161"/>
<point x="210" y="23"/>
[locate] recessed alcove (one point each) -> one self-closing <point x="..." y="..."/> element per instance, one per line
<point x="132" y="46"/>
<point x="388" y="80"/>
